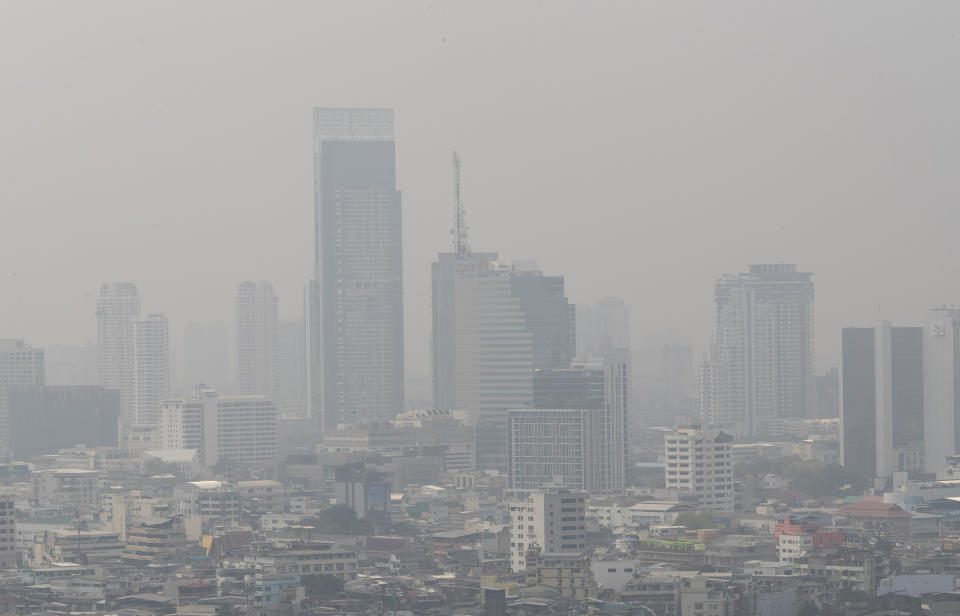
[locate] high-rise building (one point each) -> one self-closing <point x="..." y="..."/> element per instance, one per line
<point x="550" y="317"/>
<point x="117" y="307"/>
<point x="356" y="302"/>
<point x="257" y="315"/>
<point x="46" y="419"/>
<point x="699" y="464"/>
<point x="151" y="367"/>
<point x="602" y="326"/>
<point x="882" y="399"/>
<point x="206" y="357"/>
<point x="553" y="522"/>
<point x="235" y="429"/>
<point x="761" y="355"/>
<point x="581" y="442"/>
<point x="941" y="388"/>
<point x="482" y="349"/>
<point x="20" y="365"/>
<point x="291" y="369"/>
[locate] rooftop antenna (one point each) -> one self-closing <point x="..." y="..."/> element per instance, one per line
<point x="461" y="247"/>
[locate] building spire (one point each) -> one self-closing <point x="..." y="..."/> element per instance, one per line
<point x="461" y="247"/>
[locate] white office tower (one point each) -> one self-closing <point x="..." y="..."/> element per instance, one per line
<point x="291" y="358"/>
<point x="761" y="355"/>
<point x="611" y="426"/>
<point x="20" y="365"/>
<point x="699" y="464"/>
<point x="482" y="349"/>
<point x="602" y="327"/>
<point x="151" y="367"/>
<point x="235" y="430"/>
<point x="553" y="521"/>
<point x="117" y="307"/>
<point x="941" y="389"/>
<point x="257" y="317"/>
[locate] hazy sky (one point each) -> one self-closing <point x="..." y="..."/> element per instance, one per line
<point x="640" y="149"/>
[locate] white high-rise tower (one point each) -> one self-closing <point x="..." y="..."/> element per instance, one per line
<point x="117" y="307"/>
<point x="257" y="317"/>
<point x="151" y="367"/>
<point x="761" y="356"/>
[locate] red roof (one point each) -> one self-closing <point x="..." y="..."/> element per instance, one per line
<point x="872" y="507"/>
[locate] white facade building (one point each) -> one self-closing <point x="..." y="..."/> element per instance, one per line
<point x="241" y="429"/>
<point x="257" y="321"/>
<point x="700" y="463"/>
<point x="553" y="521"/>
<point x="941" y="388"/>
<point x="761" y="355"/>
<point x="20" y="366"/>
<point x="151" y="367"/>
<point x="117" y="307"/>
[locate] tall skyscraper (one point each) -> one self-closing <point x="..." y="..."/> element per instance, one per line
<point x="941" y="388"/>
<point x="291" y="369"/>
<point x="151" y="367"/>
<point x="20" y="366"/>
<point x="882" y="399"/>
<point x="117" y="307"/>
<point x="482" y="350"/>
<point x="257" y="316"/>
<point x="356" y="302"/>
<point x="549" y="316"/>
<point x="602" y="326"/>
<point x="761" y="355"/>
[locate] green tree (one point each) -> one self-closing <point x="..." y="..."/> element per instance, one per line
<point x="321" y="584"/>
<point x="695" y="520"/>
<point x="339" y="520"/>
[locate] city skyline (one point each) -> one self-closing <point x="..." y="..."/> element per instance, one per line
<point x="259" y="179"/>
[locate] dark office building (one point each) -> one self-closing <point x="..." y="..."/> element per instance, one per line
<point x="882" y="399"/>
<point x="47" y="419"/>
<point x="550" y="317"/>
<point x="356" y="299"/>
<point x="568" y="388"/>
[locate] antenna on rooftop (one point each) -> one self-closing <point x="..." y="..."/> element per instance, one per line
<point x="461" y="247"/>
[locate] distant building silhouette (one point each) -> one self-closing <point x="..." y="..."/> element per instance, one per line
<point x="20" y="365"/>
<point x="257" y="318"/>
<point x="117" y="307"/>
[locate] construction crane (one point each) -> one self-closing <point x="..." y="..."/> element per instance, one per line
<point x="461" y="247"/>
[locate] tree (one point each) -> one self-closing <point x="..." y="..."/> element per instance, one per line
<point x="339" y="520"/>
<point x="321" y="584"/>
<point x="824" y="480"/>
<point x="695" y="520"/>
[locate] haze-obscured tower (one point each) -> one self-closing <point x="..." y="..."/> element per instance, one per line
<point x="761" y="355"/>
<point x="151" y="367"/>
<point x="882" y="399"/>
<point x="20" y="366"/>
<point x="602" y="326"/>
<point x="206" y="357"/>
<point x="117" y="307"/>
<point x="291" y="369"/>
<point x="941" y="388"/>
<point x="356" y="304"/>
<point x="257" y="314"/>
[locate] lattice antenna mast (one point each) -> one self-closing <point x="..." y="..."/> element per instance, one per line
<point x="460" y="230"/>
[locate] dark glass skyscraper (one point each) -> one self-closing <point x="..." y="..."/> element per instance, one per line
<point x="882" y="399"/>
<point x="356" y="302"/>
